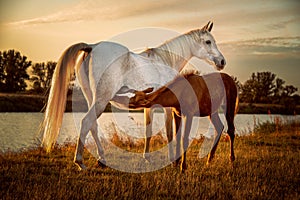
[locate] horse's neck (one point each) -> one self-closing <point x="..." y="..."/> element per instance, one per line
<point x="174" y="53"/>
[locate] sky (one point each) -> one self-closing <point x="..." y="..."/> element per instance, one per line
<point x="254" y="36"/>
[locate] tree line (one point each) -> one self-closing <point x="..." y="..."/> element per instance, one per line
<point x="18" y="74"/>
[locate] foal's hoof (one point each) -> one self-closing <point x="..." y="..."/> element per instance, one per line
<point x="177" y="162"/>
<point x="101" y="164"/>
<point x="183" y="168"/>
<point x="209" y="159"/>
<point x="232" y="158"/>
<point x="80" y="165"/>
<point x="146" y="157"/>
<point x="208" y="162"/>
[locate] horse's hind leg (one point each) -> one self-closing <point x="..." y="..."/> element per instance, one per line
<point x="215" y="119"/>
<point x="100" y="160"/>
<point x="86" y="125"/>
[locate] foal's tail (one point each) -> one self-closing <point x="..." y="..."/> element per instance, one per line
<point x="236" y="105"/>
<point x="58" y="94"/>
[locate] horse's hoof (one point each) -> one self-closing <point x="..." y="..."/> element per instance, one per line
<point x="101" y="164"/>
<point x="80" y="165"/>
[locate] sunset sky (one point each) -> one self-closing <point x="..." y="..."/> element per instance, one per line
<point x="252" y="35"/>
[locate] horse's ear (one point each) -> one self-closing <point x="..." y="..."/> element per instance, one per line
<point x="210" y="26"/>
<point x="204" y="28"/>
<point x="87" y="49"/>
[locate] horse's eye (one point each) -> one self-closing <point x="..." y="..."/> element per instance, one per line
<point x="208" y="42"/>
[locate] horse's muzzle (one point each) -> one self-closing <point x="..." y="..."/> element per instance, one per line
<point x="220" y="64"/>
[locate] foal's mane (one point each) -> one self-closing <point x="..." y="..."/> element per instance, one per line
<point x="164" y="88"/>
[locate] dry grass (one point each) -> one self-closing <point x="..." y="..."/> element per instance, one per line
<point x="266" y="167"/>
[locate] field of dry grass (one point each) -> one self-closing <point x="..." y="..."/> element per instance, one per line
<point x="266" y="167"/>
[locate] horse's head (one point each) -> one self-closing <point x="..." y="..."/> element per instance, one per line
<point x="205" y="47"/>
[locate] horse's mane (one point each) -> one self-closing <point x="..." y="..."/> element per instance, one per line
<point x="172" y="50"/>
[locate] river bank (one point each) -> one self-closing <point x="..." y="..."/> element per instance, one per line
<point x="36" y="103"/>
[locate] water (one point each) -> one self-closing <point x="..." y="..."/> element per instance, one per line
<point x="19" y="131"/>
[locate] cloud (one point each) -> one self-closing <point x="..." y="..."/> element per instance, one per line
<point x="273" y="46"/>
<point x="100" y="10"/>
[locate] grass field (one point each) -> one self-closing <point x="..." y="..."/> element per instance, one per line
<point x="266" y="167"/>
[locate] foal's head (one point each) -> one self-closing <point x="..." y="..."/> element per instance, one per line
<point x="205" y="46"/>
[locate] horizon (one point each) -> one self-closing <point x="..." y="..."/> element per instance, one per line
<point x="254" y="36"/>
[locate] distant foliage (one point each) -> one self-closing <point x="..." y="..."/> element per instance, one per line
<point x="265" y="87"/>
<point x="17" y="74"/>
<point x="41" y="76"/>
<point x="13" y="71"/>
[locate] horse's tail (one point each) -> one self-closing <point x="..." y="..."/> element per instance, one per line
<point x="56" y="103"/>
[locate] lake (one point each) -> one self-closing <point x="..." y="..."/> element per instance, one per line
<point x="19" y="131"/>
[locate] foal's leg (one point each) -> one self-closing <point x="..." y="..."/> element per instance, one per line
<point x="148" y="116"/>
<point x="185" y="141"/>
<point x="215" y="119"/>
<point x="230" y="132"/>
<point x="169" y="130"/>
<point x="178" y="134"/>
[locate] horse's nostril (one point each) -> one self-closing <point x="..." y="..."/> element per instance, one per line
<point x="223" y="62"/>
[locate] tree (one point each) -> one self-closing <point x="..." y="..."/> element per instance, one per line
<point x="289" y="90"/>
<point x="265" y="87"/>
<point x="13" y="72"/>
<point x="42" y="75"/>
<point x="248" y="91"/>
<point x="279" y="88"/>
<point x="259" y="87"/>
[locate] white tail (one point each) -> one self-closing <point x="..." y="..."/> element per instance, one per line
<point x="58" y="94"/>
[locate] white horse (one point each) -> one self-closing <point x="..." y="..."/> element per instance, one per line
<point x="104" y="71"/>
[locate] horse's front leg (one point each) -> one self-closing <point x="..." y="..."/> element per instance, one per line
<point x="148" y="116"/>
<point x="215" y="119"/>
